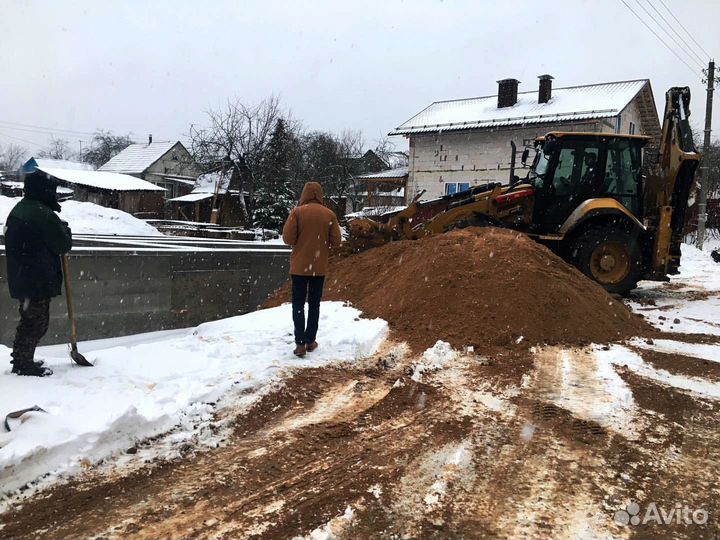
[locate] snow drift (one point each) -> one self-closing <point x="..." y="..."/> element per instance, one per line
<point x="89" y="218"/>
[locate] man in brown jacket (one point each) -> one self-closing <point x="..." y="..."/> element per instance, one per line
<point x="311" y="228"/>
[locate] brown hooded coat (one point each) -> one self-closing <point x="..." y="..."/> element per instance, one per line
<point x="311" y="228"/>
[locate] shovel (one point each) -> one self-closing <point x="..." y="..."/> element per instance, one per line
<point x="74" y="354"/>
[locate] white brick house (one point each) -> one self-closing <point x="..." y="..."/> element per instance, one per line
<point x="460" y="143"/>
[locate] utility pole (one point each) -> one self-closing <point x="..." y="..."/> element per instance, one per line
<point x="705" y="169"/>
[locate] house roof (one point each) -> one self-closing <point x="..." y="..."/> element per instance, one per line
<point x="33" y="163"/>
<point x="592" y="101"/>
<point x="137" y="158"/>
<point x="63" y="164"/>
<point x="399" y="172"/>
<point x="192" y="197"/>
<point x="101" y="180"/>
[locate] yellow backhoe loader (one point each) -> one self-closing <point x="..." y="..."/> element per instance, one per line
<point x="585" y="196"/>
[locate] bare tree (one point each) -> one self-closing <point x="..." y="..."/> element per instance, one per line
<point x="384" y="148"/>
<point x="12" y="157"/>
<point x="57" y="149"/>
<point x="239" y="134"/>
<point x="350" y="146"/>
<point x="104" y="147"/>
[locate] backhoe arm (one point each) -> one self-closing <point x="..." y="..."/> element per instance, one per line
<point x="668" y="190"/>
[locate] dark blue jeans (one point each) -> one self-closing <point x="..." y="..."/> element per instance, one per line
<point x="308" y="288"/>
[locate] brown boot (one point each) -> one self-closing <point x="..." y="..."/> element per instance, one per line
<point x="311" y="346"/>
<point x="300" y="350"/>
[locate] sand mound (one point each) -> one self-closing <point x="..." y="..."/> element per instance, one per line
<point x="484" y="287"/>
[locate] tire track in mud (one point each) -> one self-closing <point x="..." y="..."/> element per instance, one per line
<point x="499" y="447"/>
<point x="281" y="474"/>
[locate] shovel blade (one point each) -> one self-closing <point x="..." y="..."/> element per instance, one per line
<point x="78" y="358"/>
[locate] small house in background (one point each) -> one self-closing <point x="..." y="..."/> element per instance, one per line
<point x="381" y="182"/>
<point x="111" y="190"/>
<point x="370" y="161"/>
<point x="385" y="188"/>
<point x="168" y="165"/>
<point x="211" y="191"/>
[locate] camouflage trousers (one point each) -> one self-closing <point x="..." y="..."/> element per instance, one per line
<point x="34" y="320"/>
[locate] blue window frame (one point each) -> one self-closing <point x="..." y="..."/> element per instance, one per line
<point x="463" y="186"/>
<point x="450" y="188"/>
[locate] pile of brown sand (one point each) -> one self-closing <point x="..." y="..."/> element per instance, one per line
<point x="484" y="287"/>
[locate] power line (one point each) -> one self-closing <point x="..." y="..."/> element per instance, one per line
<point x="686" y="30"/>
<point x="21" y="140"/>
<point x="57" y="135"/>
<point x="700" y="63"/>
<point x="72" y="131"/>
<point x="659" y="38"/>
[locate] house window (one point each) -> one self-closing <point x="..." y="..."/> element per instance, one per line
<point x="451" y="188"/>
<point x="618" y="123"/>
<point x="631" y="129"/>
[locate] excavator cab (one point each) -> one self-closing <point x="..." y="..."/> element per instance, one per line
<point x="571" y="168"/>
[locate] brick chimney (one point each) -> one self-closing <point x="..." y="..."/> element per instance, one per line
<point x="507" y="92"/>
<point x="545" y="90"/>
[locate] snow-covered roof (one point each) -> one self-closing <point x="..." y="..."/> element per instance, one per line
<point x="399" y="172"/>
<point x="192" y="197"/>
<point x="101" y="180"/>
<point x="206" y="183"/>
<point x="137" y="158"/>
<point x="567" y="104"/>
<point x="63" y="164"/>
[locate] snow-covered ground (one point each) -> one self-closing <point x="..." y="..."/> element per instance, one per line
<point x="690" y="303"/>
<point x="144" y="385"/>
<point x="89" y="218"/>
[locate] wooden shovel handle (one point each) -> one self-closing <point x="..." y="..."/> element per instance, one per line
<point x="68" y="297"/>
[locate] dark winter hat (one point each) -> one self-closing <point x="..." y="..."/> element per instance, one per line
<point x="41" y="187"/>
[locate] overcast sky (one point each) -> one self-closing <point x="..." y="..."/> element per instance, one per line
<point x="155" y="67"/>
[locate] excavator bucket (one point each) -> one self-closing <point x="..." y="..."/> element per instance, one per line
<point x="366" y="233"/>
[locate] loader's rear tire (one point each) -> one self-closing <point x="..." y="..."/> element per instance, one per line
<point x="610" y="256"/>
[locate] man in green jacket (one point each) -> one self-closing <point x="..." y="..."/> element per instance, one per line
<point x="35" y="239"/>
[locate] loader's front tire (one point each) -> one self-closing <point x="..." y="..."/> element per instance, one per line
<point x="611" y="256"/>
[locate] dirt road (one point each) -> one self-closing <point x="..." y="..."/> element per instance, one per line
<point x="547" y="443"/>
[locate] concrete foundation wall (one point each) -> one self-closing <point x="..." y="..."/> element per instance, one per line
<point x="123" y="293"/>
